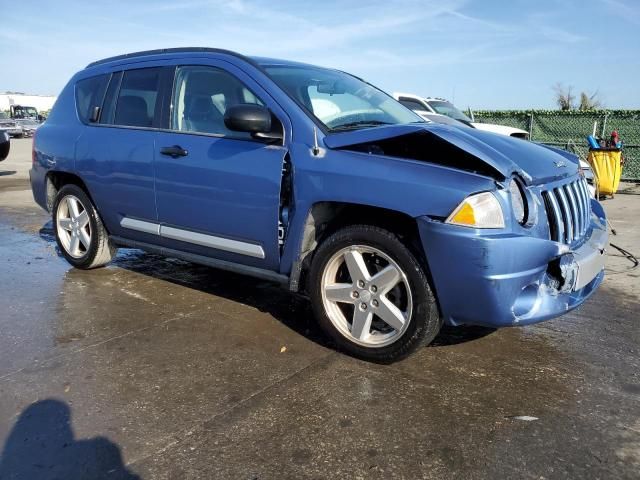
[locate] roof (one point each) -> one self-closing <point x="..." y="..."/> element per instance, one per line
<point x="266" y="61"/>
<point x="168" y="52"/>
<point x="256" y="61"/>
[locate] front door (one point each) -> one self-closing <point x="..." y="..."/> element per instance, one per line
<point x="217" y="191"/>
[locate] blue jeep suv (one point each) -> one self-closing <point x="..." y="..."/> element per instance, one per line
<point x="313" y="178"/>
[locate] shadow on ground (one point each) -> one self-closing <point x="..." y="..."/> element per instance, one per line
<point x="41" y="445"/>
<point x="294" y="311"/>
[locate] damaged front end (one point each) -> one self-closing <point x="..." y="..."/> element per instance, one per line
<point x="426" y="146"/>
<point x="505" y="278"/>
<point x="575" y="269"/>
<point x="528" y="249"/>
<point x="423" y="143"/>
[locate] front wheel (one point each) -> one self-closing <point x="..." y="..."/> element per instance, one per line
<point x="80" y="234"/>
<point x="371" y="295"/>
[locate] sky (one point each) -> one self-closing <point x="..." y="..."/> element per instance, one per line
<point x="483" y="54"/>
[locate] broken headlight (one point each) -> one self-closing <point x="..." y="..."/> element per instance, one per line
<point x="518" y="201"/>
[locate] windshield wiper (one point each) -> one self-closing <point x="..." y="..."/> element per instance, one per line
<point x="360" y="123"/>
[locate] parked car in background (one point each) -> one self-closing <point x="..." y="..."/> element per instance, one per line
<point x="5" y="145"/>
<point x="28" y="125"/>
<point x="10" y="126"/>
<point x="424" y="105"/>
<point x="23" y="111"/>
<point x="391" y="225"/>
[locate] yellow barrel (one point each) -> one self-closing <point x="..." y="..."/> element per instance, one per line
<point x="607" y="168"/>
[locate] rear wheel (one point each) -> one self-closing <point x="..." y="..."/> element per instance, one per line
<point x="371" y="295"/>
<point x="79" y="231"/>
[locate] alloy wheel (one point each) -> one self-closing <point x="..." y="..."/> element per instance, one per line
<point x="73" y="226"/>
<point x="366" y="296"/>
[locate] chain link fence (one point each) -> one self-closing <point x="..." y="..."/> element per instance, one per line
<point x="569" y="130"/>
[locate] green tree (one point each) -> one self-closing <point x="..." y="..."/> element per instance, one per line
<point x="566" y="100"/>
<point x="589" y="102"/>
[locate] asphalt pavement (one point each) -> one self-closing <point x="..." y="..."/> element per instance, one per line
<point x="155" y="368"/>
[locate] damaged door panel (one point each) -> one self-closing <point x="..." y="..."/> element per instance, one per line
<point x="286" y="201"/>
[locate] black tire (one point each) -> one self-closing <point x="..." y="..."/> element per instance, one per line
<point x="101" y="250"/>
<point x="5" y="147"/>
<point x="424" y="322"/>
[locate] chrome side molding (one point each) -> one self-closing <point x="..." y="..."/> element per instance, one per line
<point x="140" y="225"/>
<point x="196" y="238"/>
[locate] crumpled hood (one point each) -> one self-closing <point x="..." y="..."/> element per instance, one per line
<point x="534" y="163"/>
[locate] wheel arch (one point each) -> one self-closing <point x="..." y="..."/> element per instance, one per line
<point x="326" y="217"/>
<point x="56" y="179"/>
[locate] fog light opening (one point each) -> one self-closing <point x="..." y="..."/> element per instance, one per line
<point x="527" y="301"/>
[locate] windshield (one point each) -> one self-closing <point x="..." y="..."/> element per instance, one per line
<point x="3" y="116"/>
<point x="446" y="108"/>
<point x="338" y="100"/>
<point x="25" y="112"/>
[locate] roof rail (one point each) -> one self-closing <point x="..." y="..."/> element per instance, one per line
<point x="160" y="51"/>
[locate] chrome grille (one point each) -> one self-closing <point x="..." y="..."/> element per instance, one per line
<point x="568" y="211"/>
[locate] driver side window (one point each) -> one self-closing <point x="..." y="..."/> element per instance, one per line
<point x="201" y="98"/>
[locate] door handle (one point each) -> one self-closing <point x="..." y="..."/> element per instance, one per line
<point x="174" y="152"/>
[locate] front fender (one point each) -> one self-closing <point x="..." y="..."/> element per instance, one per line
<point x="410" y="187"/>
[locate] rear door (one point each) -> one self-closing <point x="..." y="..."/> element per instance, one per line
<point x="220" y="195"/>
<point x="115" y="153"/>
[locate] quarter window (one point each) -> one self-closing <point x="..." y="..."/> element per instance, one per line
<point x="138" y="97"/>
<point x="201" y="98"/>
<point x="89" y="96"/>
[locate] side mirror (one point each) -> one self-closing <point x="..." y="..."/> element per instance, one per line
<point x="247" y="117"/>
<point x="256" y="120"/>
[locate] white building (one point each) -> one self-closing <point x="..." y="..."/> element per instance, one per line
<point x="40" y="102"/>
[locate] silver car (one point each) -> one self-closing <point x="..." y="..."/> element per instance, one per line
<point x="10" y="126"/>
<point x="28" y="125"/>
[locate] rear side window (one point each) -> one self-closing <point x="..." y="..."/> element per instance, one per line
<point x="89" y="96"/>
<point x="138" y="97"/>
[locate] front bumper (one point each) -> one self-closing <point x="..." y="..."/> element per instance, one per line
<point x="503" y="279"/>
<point x="13" y="131"/>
